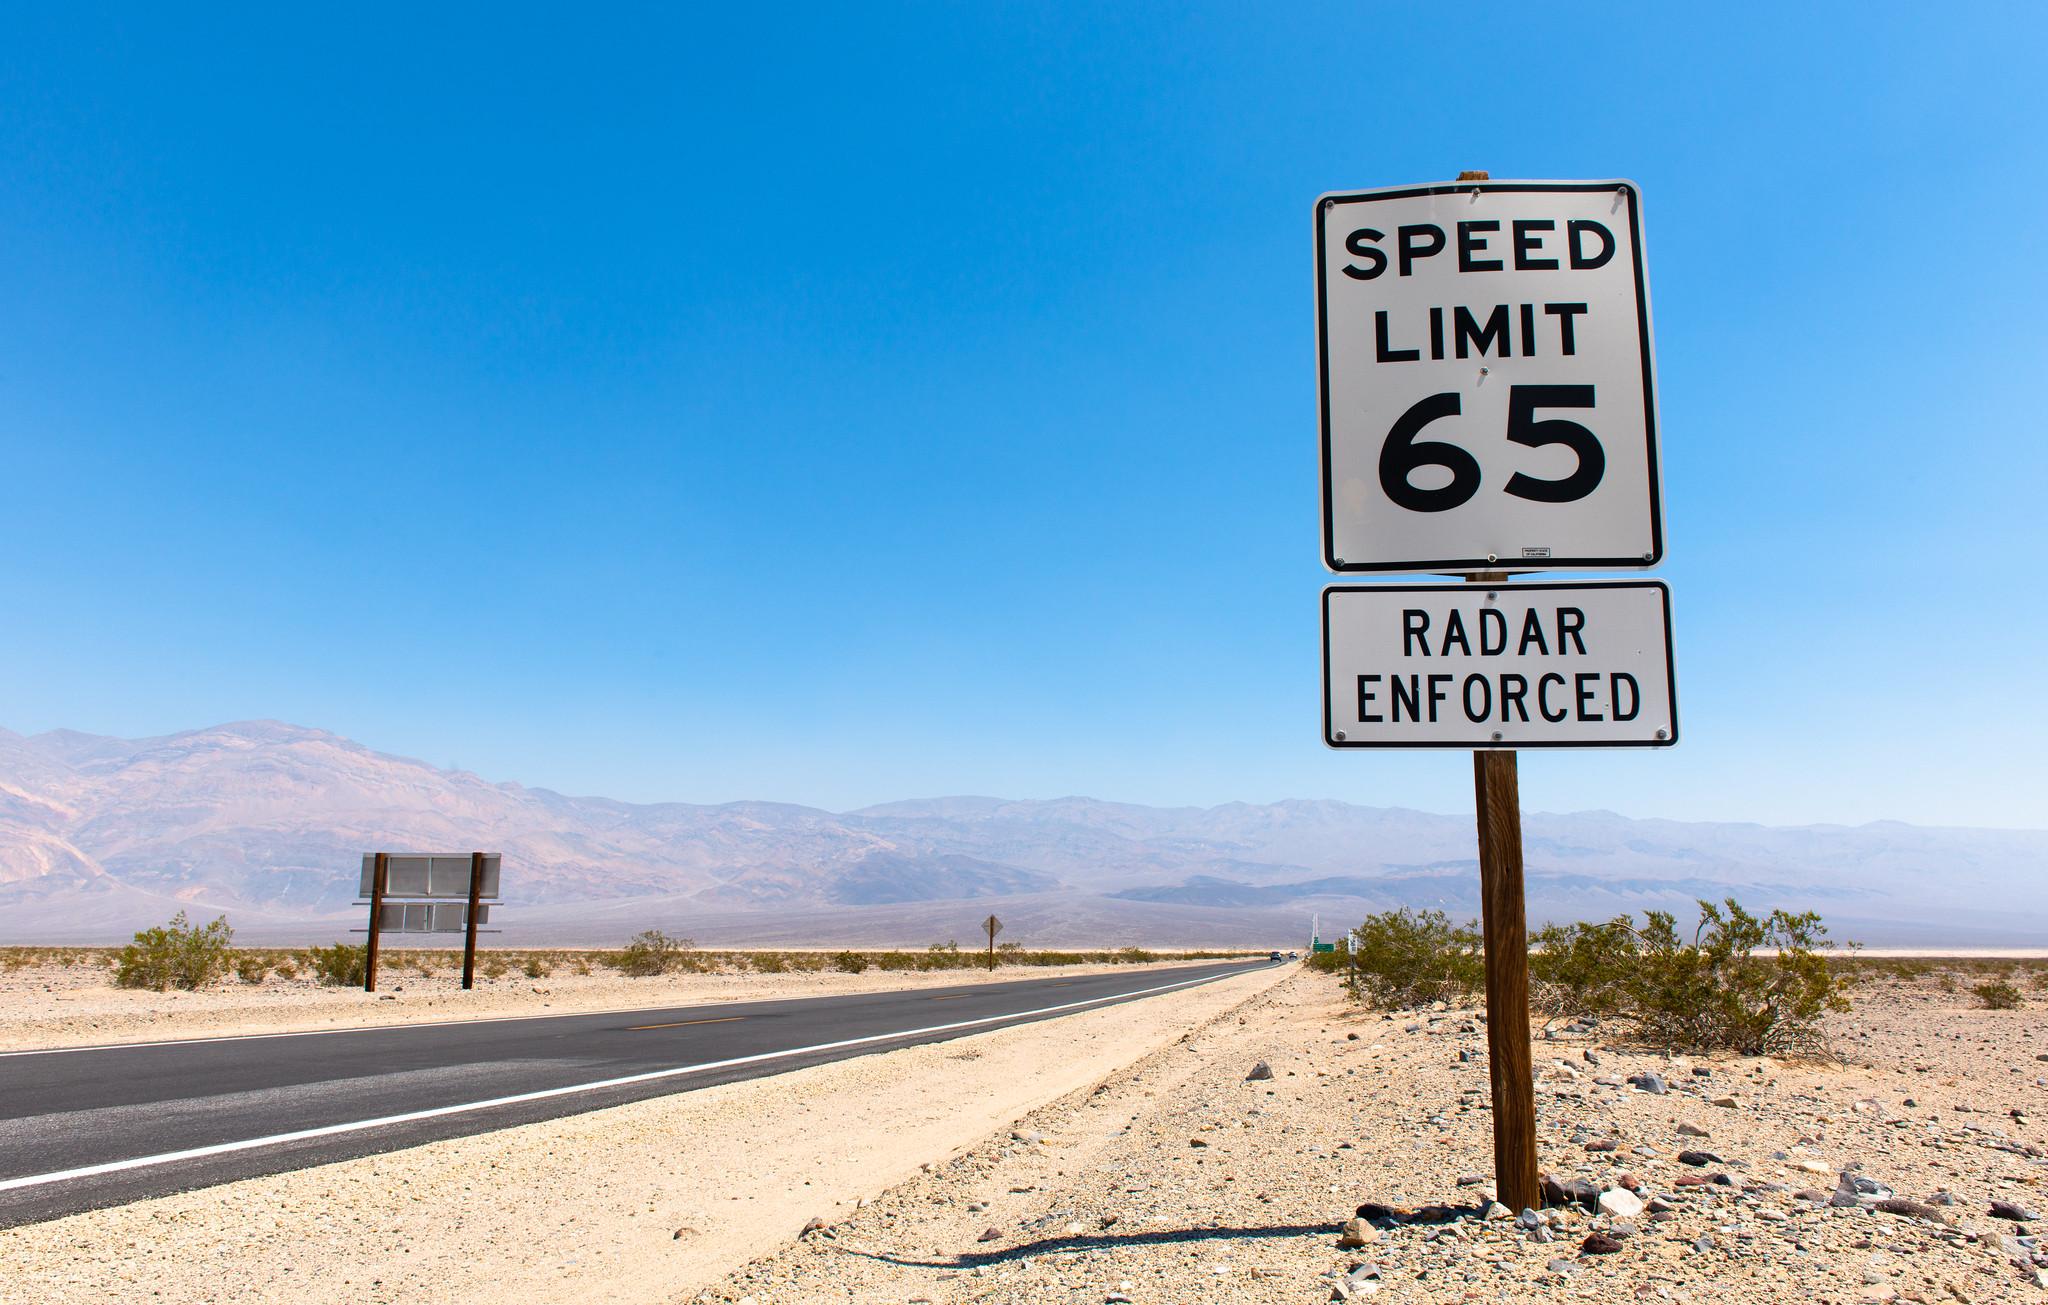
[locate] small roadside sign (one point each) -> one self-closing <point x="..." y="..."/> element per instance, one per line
<point x="1488" y="389"/>
<point x="1546" y="665"/>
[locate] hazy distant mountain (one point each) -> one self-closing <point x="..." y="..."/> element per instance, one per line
<point x="267" y="822"/>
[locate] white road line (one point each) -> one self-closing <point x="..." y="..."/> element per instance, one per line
<point x="387" y="1121"/>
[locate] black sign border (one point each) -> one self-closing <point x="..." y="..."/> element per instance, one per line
<point x="1331" y="740"/>
<point x="1635" y="226"/>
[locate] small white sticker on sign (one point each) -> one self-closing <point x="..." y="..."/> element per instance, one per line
<point x="1498" y="666"/>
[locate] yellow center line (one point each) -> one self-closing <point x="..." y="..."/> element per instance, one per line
<point x="954" y="997"/>
<point x="723" y="1019"/>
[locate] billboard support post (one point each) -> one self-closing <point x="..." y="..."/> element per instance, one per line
<point x="476" y="892"/>
<point x="379" y="879"/>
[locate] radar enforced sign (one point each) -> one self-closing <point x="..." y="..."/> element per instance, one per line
<point x="1488" y="391"/>
<point x="1509" y="666"/>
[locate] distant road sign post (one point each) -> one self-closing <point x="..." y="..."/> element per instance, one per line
<point x="1488" y="404"/>
<point x="449" y="892"/>
<point x="994" y="927"/>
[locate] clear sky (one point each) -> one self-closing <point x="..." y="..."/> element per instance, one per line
<point x="865" y="402"/>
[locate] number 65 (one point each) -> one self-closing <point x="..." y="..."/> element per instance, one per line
<point x="1403" y="452"/>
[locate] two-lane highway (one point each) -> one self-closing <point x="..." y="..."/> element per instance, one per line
<point x="87" y="1127"/>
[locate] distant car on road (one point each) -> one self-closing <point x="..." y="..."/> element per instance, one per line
<point x="1272" y="956"/>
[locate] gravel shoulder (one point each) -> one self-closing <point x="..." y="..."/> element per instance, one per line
<point x="642" y="1203"/>
<point x="76" y="1005"/>
<point x="1181" y="1180"/>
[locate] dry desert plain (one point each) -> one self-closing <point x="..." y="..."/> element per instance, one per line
<point x="1128" y="1154"/>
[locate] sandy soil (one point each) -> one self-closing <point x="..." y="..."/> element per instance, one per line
<point x="641" y="1203"/>
<point x="48" y="1005"/>
<point x="1180" y="1181"/>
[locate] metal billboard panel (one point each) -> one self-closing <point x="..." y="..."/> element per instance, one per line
<point x="437" y="875"/>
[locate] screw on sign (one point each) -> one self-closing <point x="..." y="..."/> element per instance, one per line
<point x="1488" y="404"/>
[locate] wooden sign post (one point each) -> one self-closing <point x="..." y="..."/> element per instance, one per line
<point x="1508" y="1059"/>
<point x="1504" y="920"/>
<point x="994" y="927"/>
<point x="476" y="892"/>
<point x="379" y="881"/>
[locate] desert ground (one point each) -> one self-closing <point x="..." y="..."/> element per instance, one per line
<point x="1136" y="1154"/>
<point x="1184" y="1179"/>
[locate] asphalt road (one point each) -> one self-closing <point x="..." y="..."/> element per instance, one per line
<point x="90" y="1127"/>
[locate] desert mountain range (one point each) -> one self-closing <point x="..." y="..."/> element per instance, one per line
<point x="267" y="821"/>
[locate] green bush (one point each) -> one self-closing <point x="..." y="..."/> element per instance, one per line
<point x="251" y="969"/>
<point x="651" y="952"/>
<point x="175" y="955"/>
<point x="339" y="966"/>
<point x="1712" y="993"/>
<point x="1997" y="995"/>
<point x="849" y="962"/>
<point x="1584" y="969"/>
<point x="1405" y="958"/>
<point x="1327" y="962"/>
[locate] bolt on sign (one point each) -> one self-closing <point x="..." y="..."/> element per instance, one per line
<point x="1511" y="666"/>
<point x="1488" y="392"/>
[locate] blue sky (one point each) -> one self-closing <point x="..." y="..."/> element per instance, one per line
<point x="836" y="406"/>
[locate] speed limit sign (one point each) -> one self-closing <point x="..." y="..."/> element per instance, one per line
<point x="1488" y="389"/>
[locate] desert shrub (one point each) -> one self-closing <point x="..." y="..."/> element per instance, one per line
<point x="1403" y="958"/>
<point x="1135" y="956"/>
<point x="251" y="968"/>
<point x="175" y="955"/>
<point x="1714" y="992"/>
<point x="849" y="962"/>
<point x="535" y="968"/>
<point x="339" y="966"/>
<point x="2040" y="981"/>
<point x="287" y="968"/>
<point x="582" y="965"/>
<point x="1997" y="995"/>
<point x="651" y="952"/>
<point x="1327" y="962"/>
<point x="1584" y="969"/>
<point x="769" y="962"/>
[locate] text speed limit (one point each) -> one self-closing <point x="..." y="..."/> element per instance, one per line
<point x="1488" y="395"/>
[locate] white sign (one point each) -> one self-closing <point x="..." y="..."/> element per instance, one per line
<point x="1488" y="389"/>
<point x="1508" y="666"/>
